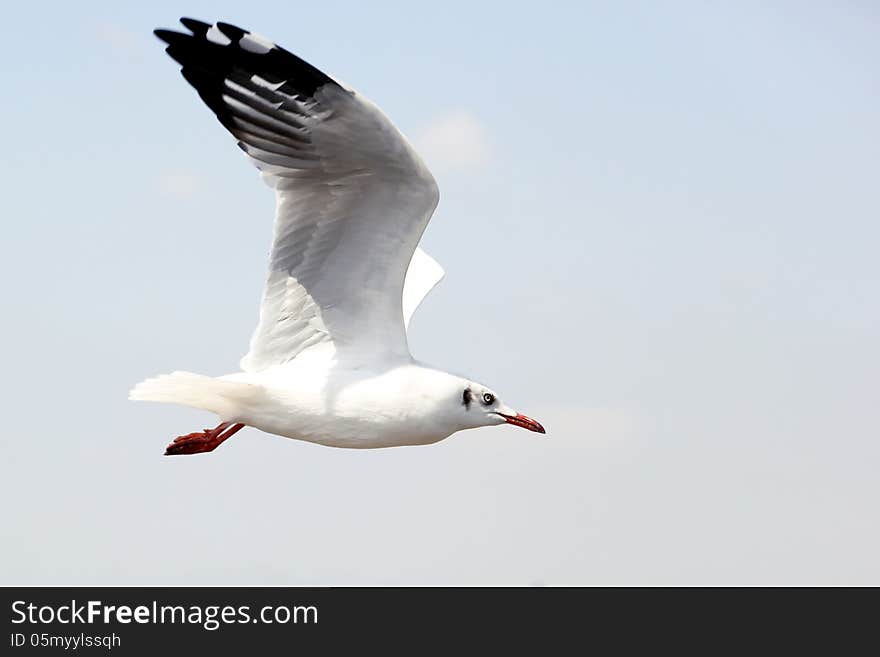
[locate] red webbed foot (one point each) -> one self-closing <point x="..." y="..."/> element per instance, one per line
<point x="202" y="441"/>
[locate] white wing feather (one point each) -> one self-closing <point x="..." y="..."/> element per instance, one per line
<point x="345" y="232"/>
<point x="422" y="276"/>
<point x="353" y="197"/>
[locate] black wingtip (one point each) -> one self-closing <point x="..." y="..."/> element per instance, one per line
<point x="232" y="31"/>
<point x="207" y="63"/>
<point x="198" y="28"/>
<point x="165" y="35"/>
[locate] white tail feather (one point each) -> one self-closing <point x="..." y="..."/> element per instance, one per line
<point x="223" y="397"/>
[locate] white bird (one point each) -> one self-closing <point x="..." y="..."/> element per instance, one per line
<point x="329" y="361"/>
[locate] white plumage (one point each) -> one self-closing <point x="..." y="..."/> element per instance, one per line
<point x="329" y="361"/>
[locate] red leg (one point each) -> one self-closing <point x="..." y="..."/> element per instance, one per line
<point x="202" y="441"/>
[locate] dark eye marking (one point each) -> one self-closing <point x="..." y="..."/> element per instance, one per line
<point x="488" y="398"/>
<point x="466" y="398"/>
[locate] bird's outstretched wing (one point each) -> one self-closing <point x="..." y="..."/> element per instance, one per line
<point x="353" y="197"/>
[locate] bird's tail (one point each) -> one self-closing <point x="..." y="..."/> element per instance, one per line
<point x="221" y="396"/>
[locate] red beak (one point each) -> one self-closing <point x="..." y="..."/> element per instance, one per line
<point x="523" y="421"/>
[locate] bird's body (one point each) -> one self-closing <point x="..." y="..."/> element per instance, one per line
<point x="329" y="361"/>
<point x="322" y="402"/>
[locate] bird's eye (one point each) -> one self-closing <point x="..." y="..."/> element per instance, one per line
<point x="488" y="398"/>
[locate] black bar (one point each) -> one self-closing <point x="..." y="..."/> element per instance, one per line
<point x="416" y="620"/>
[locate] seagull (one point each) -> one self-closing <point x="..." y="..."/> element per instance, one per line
<point x="329" y="362"/>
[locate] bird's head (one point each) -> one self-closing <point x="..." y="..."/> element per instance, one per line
<point x="481" y="407"/>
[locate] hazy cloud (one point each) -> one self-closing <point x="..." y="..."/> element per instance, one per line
<point x="120" y="39"/>
<point x="455" y="141"/>
<point x="600" y="426"/>
<point x="180" y="184"/>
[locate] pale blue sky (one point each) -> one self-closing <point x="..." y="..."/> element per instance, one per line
<point x="660" y="227"/>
